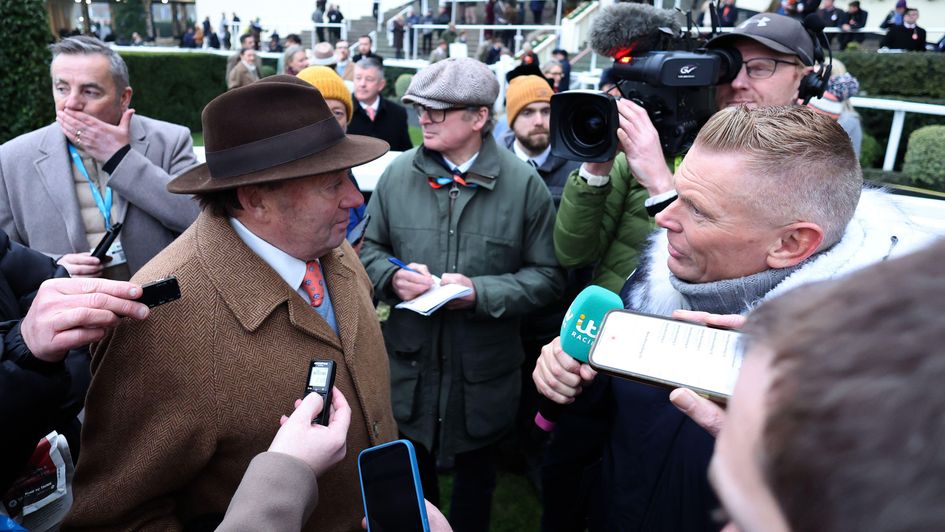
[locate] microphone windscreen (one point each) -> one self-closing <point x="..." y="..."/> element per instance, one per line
<point x="624" y="27"/>
<point x="582" y="320"/>
<point x="814" y="23"/>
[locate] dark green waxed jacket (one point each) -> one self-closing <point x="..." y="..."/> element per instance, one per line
<point x="455" y="375"/>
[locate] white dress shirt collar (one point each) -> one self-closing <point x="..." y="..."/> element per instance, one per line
<point x="289" y="268"/>
<point x="521" y="154"/>
<point x="463" y="168"/>
<point x="376" y="105"/>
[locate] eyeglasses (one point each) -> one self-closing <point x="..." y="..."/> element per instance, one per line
<point x="435" y="115"/>
<point x="764" y="67"/>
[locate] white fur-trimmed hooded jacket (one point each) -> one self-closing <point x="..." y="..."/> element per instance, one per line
<point x="878" y="230"/>
<point x="655" y="458"/>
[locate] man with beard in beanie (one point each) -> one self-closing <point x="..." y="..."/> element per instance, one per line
<point x="528" y="107"/>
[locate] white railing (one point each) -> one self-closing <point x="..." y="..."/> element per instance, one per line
<point x="574" y="31"/>
<point x="343" y="26"/>
<point x="705" y="30"/>
<point x="544" y="48"/>
<point x="495" y="28"/>
<point x="386" y="6"/>
<point x="899" y="109"/>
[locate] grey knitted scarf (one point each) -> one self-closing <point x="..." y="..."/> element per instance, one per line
<point x="731" y="296"/>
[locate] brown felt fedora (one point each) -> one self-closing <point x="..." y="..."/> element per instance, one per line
<point x="274" y="129"/>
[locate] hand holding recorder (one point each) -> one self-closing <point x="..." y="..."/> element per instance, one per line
<point x="318" y="446"/>
<point x="69" y="313"/>
<point x="91" y="264"/>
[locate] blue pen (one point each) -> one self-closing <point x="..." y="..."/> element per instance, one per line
<point x="400" y="264"/>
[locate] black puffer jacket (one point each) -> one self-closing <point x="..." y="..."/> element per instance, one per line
<point x="35" y="396"/>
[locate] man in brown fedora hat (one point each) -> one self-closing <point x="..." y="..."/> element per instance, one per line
<point x="178" y="408"/>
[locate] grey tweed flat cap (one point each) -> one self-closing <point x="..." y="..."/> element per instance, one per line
<point x="454" y="82"/>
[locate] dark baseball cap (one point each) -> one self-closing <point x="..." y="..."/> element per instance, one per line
<point x="778" y="32"/>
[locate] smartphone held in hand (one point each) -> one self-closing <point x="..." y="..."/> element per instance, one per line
<point x="391" y="489"/>
<point x="104" y="245"/>
<point x="667" y="352"/>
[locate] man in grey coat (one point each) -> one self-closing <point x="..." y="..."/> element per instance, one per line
<point x="467" y="210"/>
<point x="64" y="185"/>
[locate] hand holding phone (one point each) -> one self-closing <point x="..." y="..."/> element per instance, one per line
<point x="666" y="352"/>
<point x="704" y="412"/>
<point x="391" y="489"/>
<point x="318" y="446"/>
<point x="101" y="249"/>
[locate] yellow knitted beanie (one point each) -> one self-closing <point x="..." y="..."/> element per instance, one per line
<point x="522" y="91"/>
<point x="330" y="84"/>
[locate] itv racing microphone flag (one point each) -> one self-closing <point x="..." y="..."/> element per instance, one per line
<point x="583" y="319"/>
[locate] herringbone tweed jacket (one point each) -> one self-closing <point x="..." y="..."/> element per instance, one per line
<point x="181" y="402"/>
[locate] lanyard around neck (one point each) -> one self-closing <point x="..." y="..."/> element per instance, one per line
<point x="104" y="204"/>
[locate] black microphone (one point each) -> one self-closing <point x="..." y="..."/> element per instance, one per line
<point x="623" y="28"/>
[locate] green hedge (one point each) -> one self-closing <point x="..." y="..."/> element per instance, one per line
<point x="914" y="77"/>
<point x="26" y="101"/>
<point x="925" y="159"/>
<point x="900" y="180"/>
<point x="910" y="75"/>
<point x="175" y="87"/>
<point x="877" y="123"/>
<point x="871" y="153"/>
<point x="391" y="75"/>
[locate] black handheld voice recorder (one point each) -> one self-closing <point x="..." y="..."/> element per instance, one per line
<point x="321" y="378"/>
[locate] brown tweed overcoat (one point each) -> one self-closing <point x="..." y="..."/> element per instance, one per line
<point x="181" y="402"/>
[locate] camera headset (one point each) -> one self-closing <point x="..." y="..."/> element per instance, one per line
<point x="814" y="83"/>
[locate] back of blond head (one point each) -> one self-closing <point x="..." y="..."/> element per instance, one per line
<point x="801" y="164"/>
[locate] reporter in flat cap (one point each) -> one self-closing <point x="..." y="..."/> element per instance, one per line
<point x="180" y="405"/>
<point x="468" y="211"/>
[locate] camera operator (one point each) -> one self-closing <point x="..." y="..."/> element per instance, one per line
<point x="602" y="215"/>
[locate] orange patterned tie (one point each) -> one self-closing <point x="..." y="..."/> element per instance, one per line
<point x="370" y="112"/>
<point x="313" y="283"/>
